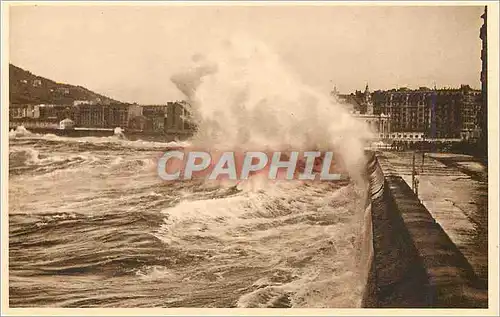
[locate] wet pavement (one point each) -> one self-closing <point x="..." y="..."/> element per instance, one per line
<point x="454" y="189"/>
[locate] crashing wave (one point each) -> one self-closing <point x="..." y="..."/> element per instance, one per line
<point x="20" y="131"/>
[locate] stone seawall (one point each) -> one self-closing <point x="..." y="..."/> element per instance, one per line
<point x="414" y="262"/>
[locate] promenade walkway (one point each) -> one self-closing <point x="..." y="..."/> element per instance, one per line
<point x="454" y="189"/>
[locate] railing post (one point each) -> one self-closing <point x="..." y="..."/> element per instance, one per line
<point x="413" y="172"/>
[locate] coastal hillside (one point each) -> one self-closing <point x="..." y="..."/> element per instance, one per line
<point x="28" y="88"/>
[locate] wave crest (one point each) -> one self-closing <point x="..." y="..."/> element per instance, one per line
<point x="243" y="97"/>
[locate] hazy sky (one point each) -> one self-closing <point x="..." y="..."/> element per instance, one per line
<point x="130" y="52"/>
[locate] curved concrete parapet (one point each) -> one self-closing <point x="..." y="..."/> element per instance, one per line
<point x="375" y="177"/>
<point x="414" y="262"/>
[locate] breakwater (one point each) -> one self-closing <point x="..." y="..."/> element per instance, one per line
<point x="414" y="262"/>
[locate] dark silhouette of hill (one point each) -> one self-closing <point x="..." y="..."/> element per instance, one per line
<point x="27" y="88"/>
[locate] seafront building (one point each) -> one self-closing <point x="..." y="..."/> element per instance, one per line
<point x="177" y="118"/>
<point x="422" y="114"/>
<point x="153" y="119"/>
<point x="484" y="82"/>
<point x="362" y="108"/>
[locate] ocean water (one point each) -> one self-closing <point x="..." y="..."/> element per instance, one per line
<point x="92" y="225"/>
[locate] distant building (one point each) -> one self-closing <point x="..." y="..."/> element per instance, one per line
<point x="102" y="116"/>
<point x="66" y="124"/>
<point x="134" y="110"/>
<point x="29" y="116"/>
<point x="91" y="116"/>
<point x="37" y="83"/>
<point x="55" y="112"/>
<point x="483" y="123"/>
<point x="419" y="114"/>
<point x="140" y="123"/>
<point x="48" y="111"/>
<point x="42" y="111"/>
<point x="169" y="118"/>
<point x="156" y="115"/>
<point x="178" y="118"/>
<point x="431" y="113"/>
<point x="154" y="110"/>
<point x="116" y="115"/>
<point x="470" y="114"/>
<point x="361" y="107"/>
<point x="406" y="109"/>
<point x="158" y="124"/>
<point x="353" y="101"/>
<point x="18" y="111"/>
<point x="368" y="101"/>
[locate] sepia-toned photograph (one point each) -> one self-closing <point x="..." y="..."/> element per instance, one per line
<point x="245" y="155"/>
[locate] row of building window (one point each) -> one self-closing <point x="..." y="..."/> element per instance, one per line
<point x="402" y="136"/>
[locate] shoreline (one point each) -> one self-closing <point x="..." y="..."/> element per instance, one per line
<point x="131" y="135"/>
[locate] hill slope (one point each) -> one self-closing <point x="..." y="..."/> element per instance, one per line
<point x="27" y="88"/>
